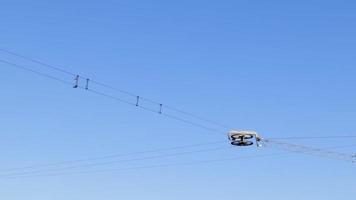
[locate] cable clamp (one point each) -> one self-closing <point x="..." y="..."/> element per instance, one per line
<point x="76" y="83"/>
<point x="160" y="108"/>
<point x="137" y="100"/>
<point x="87" y="84"/>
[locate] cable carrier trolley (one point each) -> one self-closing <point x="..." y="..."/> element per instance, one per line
<point x="244" y="138"/>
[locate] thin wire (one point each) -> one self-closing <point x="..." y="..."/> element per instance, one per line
<point x="110" y="96"/>
<point x="320" y="152"/>
<point x="134" y="95"/>
<point x="114" y="98"/>
<point x="151" y="110"/>
<point x="165" y="106"/>
<point x="27" y="173"/>
<point x="103" y="94"/>
<point x="114" y="88"/>
<point x="36" y="72"/>
<point x="198" y="117"/>
<point x="61" y="163"/>
<point x="192" y="123"/>
<point x="114" y="162"/>
<point x="314" y="137"/>
<point x="184" y="112"/>
<point x="156" y="166"/>
<point x="339" y="147"/>
<point x="146" y="167"/>
<point x="154" y="111"/>
<point x="38" y="62"/>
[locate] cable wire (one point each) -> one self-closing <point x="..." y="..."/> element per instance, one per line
<point x="165" y="165"/>
<point x="36" y="72"/>
<point x="320" y="152"/>
<point x="145" y="167"/>
<point x="314" y="137"/>
<point x="140" y="97"/>
<point x="114" y="98"/>
<point x="114" y="162"/>
<point x="38" y="62"/>
<point x="307" y="150"/>
<point x="286" y="145"/>
<point x="114" y="88"/>
<point x="61" y="163"/>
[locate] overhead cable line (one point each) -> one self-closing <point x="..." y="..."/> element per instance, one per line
<point x="248" y="138"/>
<point x="162" y="165"/>
<point x="111" y="156"/>
<point x="154" y="111"/>
<point x="42" y="173"/>
<point x="136" y="104"/>
<point x="138" y="97"/>
<point x="186" y="121"/>
<point x="313" y="137"/>
<point x="36" y="72"/>
<point x="144" y="167"/>
<point x="319" y="152"/>
<point x="108" y="163"/>
<point x="115" y="89"/>
<point x="38" y="62"/>
<point x="181" y="119"/>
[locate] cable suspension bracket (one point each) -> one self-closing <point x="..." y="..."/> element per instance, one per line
<point x="137" y="100"/>
<point x="87" y="84"/>
<point x="160" y="108"/>
<point x="76" y="81"/>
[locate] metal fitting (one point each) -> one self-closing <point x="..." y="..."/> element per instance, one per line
<point x="243" y="138"/>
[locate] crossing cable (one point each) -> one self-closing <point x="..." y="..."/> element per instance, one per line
<point x="111" y="156"/>
<point x="53" y="172"/>
<point x="320" y="152"/>
<point x="168" y="107"/>
<point x="154" y="111"/>
<point x="114" y="162"/>
<point x="117" y="89"/>
<point x="145" y="167"/>
<point x="148" y="109"/>
<point x="38" y="62"/>
<point x="313" y="137"/>
<point x="101" y="93"/>
<point x="113" y="97"/>
<point x="36" y="72"/>
<point x="139" y="98"/>
<point x="163" y="165"/>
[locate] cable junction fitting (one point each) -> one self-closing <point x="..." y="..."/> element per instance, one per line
<point x="244" y="138"/>
<point x="137" y="100"/>
<point x="160" y="108"/>
<point x="76" y="83"/>
<point x="87" y="84"/>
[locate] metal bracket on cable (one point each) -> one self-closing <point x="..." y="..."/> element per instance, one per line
<point x="243" y="138"/>
<point x="87" y="84"/>
<point x="76" y="79"/>
<point x="160" y="108"/>
<point x="137" y="100"/>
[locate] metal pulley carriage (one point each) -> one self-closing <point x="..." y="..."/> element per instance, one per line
<point x="244" y="138"/>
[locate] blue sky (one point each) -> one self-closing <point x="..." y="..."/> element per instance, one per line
<point x="281" y="68"/>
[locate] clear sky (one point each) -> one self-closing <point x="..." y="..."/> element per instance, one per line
<point x="282" y="68"/>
